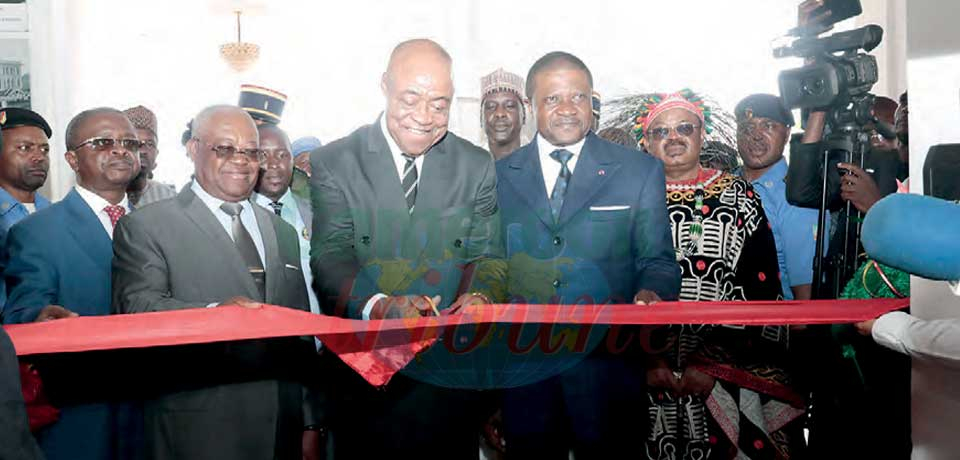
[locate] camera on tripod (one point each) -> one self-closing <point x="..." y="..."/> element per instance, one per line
<point x="837" y="81"/>
<point x="832" y="79"/>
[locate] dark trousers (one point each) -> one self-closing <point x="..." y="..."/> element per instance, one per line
<point x="405" y="419"/>
<point x="597" y="409"/>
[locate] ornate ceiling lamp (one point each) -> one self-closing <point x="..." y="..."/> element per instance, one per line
<point x="239" y="55"/>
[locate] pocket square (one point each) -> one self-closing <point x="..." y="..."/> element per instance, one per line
<point x="292" y="267"/>
<point x="619" y="207"/>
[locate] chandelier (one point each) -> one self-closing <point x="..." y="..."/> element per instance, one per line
<point x="239" y="55"/>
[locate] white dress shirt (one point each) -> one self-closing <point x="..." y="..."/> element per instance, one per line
<point x="97" y="204"/>
<point x="550" y="167"/>
<point x="397" y="154"/>
<point x="400" y="162"/>
<point x="290" y="213"/>
<point x="247" y="218"/>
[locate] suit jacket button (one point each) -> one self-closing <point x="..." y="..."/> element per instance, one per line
<point x="557" y="240"/>
<point x="365" y="239"/>
<point x="458" y="243"/>
<point x="556" y="283"/>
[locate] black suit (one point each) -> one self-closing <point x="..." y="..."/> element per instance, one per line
<point x="366" y="242"/>
<point x="16" y="442"/>
<point x="238" y="400"/>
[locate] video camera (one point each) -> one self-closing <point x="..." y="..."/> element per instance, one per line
<point x="837" y="81"/>
<point x="834" y="79"/>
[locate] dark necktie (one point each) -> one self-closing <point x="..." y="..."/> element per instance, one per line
<point x="560" y="187"/>
<point x="248" y="250"/>
<point x="410" y="181"/>
<point x="277" y="207"/>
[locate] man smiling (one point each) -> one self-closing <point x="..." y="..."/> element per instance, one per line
<point x="399" y="207"/>
<point x="502" y="111"/>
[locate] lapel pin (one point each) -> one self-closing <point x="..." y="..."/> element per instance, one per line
<point x="601" y="172"/>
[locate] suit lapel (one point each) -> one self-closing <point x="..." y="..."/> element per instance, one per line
<point x="526" y="176"/>
<point x="88" y="232"/>
<point x="381" y="171"/>
<point x="594" y="168"/>
<point x="220" y="243"/>
<point x="271" y="251"/>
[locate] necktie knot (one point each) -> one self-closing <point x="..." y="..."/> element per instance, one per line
<point x="561" y="155"/>
<point x="277" y="207"/>
<point x="115" y="212"/>
<point x="232" y="209"/>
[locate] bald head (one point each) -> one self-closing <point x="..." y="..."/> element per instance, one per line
<point x="225" y="152"/>
<point x="215" y="115"/>
<point x="75" y="127"/>
<point x="415" y="53"/>
<point x="418" y="87"/>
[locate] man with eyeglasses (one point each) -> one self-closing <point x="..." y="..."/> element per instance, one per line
<point x="143" y="189"/>
<point x="59" y="267"/>
<point x="763" y="129"/>
<point x="210" y="246"/>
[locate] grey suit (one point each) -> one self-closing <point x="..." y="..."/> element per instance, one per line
<point x="238" y="400"/>
<point x="366" y="242"/>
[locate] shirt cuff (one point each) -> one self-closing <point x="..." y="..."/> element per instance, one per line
<point x="889" y="328"/>
<point x="369" y="305"/>
<point x="211" y="305"/>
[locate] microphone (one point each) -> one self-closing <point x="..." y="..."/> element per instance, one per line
<point x="916" y="234"/>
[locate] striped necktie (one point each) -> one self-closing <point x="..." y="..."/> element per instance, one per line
<point x="410" y="181"/>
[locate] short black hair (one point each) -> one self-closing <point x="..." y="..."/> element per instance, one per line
<point x="553" y="60"/>
<point x="81" y="118"/>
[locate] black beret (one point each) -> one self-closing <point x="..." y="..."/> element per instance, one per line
<point x="764" y="106"/>
<point x="13" y="117"/>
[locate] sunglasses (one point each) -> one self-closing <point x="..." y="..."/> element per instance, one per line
<point x="101" y="144"/>
<point x="226" y="152"/>
<point x="662" y="132"/>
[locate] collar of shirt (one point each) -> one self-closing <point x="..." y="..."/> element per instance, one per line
<point x="286" y="200"/>
<point x="8" y="202"/>
<point x="775" y="175"/>
<point x="549" y="166"/>
<point x="247" y="217"/>
<point x="395" y="151"/>
<point x="97" y="203"/>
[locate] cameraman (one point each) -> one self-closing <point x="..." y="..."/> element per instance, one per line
<point x="860" y="406"/>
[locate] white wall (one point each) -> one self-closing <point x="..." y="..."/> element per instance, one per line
<point x="933" y="74"/>
<point x="328" y="56"/>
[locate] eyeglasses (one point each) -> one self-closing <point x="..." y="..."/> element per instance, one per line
<point x="102" y="144"/>
<point x="662" y="132"/>
<point x="150" y="144"/>
<point x="226" y="152"/>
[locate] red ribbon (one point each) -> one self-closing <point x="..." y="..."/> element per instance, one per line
<point x="380" y="348"/>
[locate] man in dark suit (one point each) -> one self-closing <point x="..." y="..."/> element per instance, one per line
<point x="16" y="442"/>
<point x="401" y="206"/>
<point x="207" y="247"/>
<point x="59" y="266"/>
<point x="584" y="221"/>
